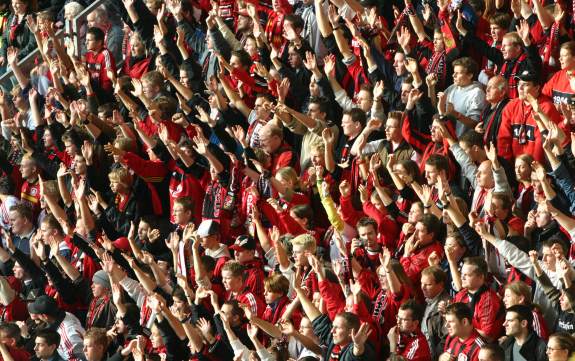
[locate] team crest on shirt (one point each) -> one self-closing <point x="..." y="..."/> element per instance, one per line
<point x="462" y="357"/>
<point x="33" y="192"/>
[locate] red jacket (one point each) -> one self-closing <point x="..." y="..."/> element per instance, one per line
<point x="413" y="346"/>
<point x="519" y="134"/>
<point x="417" y="261"/>
<point x="488" y="313"/>
<point x="467" y="349"/>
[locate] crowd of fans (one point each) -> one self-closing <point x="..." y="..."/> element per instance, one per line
<point x="288" y="180"/>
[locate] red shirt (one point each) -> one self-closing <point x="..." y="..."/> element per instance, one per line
<point x="467" y="349"/>
<point x="413" y="346"/>
<point x="488" y="313"/>
<point x="98" y="65"/>
<point x="558" y="88"/>
<point x="30" y="195"/>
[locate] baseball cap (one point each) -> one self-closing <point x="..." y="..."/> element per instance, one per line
<point x="208" y="228"/>
<point x="244" y="243"/>
<point x="529" y="75"/>
<point x="44" y="305"/>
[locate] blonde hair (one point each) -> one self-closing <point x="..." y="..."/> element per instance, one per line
<point x="289" y="174"/>
<point x="121" y="176"/>
<point x="306" y="241"/>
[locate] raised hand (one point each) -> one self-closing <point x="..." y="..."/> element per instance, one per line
<point x="329" y="65"/>
<point x="345" y="188"/>
<point x="360" y="337"/>
<point x="523" y="31"/>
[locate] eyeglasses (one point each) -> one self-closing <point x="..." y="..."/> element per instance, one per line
<point x="554" y="349"/>
<point x="399" y="319"/>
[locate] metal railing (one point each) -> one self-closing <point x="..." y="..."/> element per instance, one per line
<point x="71" y="30"/>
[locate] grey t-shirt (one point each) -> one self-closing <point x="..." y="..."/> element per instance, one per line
<point x="516" y="355"/>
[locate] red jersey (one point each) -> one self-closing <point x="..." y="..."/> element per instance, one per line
<point x="488" y="310"/>
<point x="255" y="303"/>
<point x="413" y="346"/>
<point x="558" y="88"/>
<point x="30" y="195"/>
<point x="467" y="349"/>
<point x="519" y="133"/>
<point x="98" y="65"/>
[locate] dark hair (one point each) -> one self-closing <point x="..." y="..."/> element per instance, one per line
<point x="565" y="341"/>
<point x="472" y="138"/>
<point x="469" y="64"/>
<point x="496" y="351"/>
<point x="500" y="19"/>
<point x="479" y="263"/>
<point x="304" y="211"/>
<point x="438" y="161"/>
<point x="412" y="168"/>
<point x="366" y="222"/>
<point x="460" y="311"/>
<point x="24" y="211"/>
<point x="236" y="309"/>
<point x="322" y="102"/>
<point x="296" y="20"/>
<point x="179" y="293"/>
<point x="414" y="307"/>
<point x="243" y="56"/>
<point x="98" y="33"/>
<point x="431" y="223"/>
<point x="50" y="336"/>
<point x="208" y="262"/>
<point x="6" y="185"/>
<point x="351" y="320"/>
<point x="51" y="221"/>
<point x="357" y="115"/>
<point x="524" y="313"/>
<point x="506" y="201"/>
<point x="11" y="330"/>
<point x="439" y="276"/>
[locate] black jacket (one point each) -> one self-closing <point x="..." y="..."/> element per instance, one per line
<point x="534" y="349"/>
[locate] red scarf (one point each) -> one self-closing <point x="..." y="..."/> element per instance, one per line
<point x="96" y="307"/>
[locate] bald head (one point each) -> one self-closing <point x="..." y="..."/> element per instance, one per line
<point x="271" y="137"/>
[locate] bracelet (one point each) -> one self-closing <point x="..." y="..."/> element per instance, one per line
<point x="446" y="205"/>
<point x="427" y="206"/>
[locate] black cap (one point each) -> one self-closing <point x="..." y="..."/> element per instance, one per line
<point x="244" y="243"/>
<point x="44" y="305"/>
<point x="529" y="75"/>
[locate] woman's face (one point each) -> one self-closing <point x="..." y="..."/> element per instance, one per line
<point x="566" y="59"/>
<point x="555" y="352"/>
<point x="510" y="298"/>
<point x="438" y="43"/>
<point x="522" y="170"/>
<point x="415" y="214"/>
<point x="251" y="47"/>
<point x="20" y="7"/>
<point x="402" y="173"/>
<point x="136" y="46"/>
<point x="156" y="337"/>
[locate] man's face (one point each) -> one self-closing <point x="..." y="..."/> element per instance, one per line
<point x="429" y="287"/>
<point x="46" y="231"/>
<point x="436" y="135"/>
<point x="314" y="111"/>
<point x="149" y="89"/>
<point x="438" y="42"/>
<point x="495" y="92"/>
<point x="522" y="170"/>
<point x="244" y="255"/>
<point x="350" y="128"/>
<point x="18" y="271"/>
<point x="299" y="256"/>
<point x="527" y="87"/>
<point x="392" y="130"/>
<point x="262" y="108"/>
<point x="231" y="283"/>
<point x="405" y="90"/>
<point x="17" y="222"/>
<point x="294" y="59"/>
<point x="461" y="77"/>
<point x="28" y="169"/>
<point x="92" y="350"/>
<point x="509" y="49"/>
<point x="422" y="234"/>
<point x="497" y="32"/>
<point x="209" y="241"/>
<point x="364" y="100"/>
<point x="454" y="327"/>
<point x="269" y="142"/>
<point x="98" y="290"/>
<point x="340" y="331"/>
<point x="548" y="257"/>
<point x="484" y="175"/>
<point x="270" y="296"/>
<point x="71" y="148"/>
<point x="92" y="20"/>
<point x="512" y="324"/>
<point x="137" y="47"/>
<point x="42" y="349"/>
<point x="369" y="235"/>
<point x="399" y="64"/>
<point x="181" y="215"/>
<point x="91" y="43"/>
<point x="406" y="322"/>
<point x="244" y="23"/>
<point x="486" y="355"/>
<point x="431" y="174"/>
<point x="470" y="278"/>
